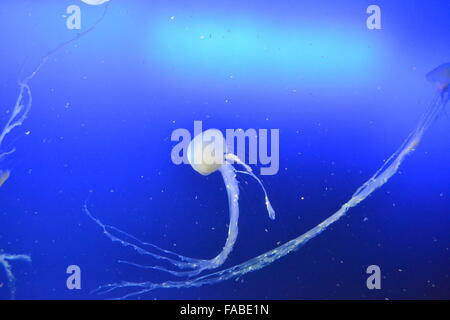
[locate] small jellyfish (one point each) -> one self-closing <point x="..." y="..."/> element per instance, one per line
<point x="95" y="2"/>
<point x="440" y="76"/>
<point x="207" y="154"/>
<point x="4" y="175"/>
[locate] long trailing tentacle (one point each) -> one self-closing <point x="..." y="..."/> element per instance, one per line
<point x="109" y="231"/>
<point x="181" y="262"/>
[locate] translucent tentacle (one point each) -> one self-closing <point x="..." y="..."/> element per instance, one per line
<point x="18" y="115"/>
<point x="137" y="247"/>
<point x="5" y="260"/>
<point x="191" y="273"/>
<point x="249" y="171"/>
<point x="269" y="207"/>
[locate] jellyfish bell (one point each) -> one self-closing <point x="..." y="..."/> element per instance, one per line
<point x="95" y="2"/>
<point x="206" y="152"/>
<point x="440" y="76"/>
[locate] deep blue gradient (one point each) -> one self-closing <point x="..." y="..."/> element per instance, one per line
<point x="344" y="98"/>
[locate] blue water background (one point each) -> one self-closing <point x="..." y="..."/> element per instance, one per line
<point x="344" y="98"/>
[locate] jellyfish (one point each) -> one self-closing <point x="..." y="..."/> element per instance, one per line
<point x="95" y="2"/>
<point x="207" y="154"/>
<point x="440" y="77"/>
<point x="4" y="175"/>
<point x="16" y="119"/>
